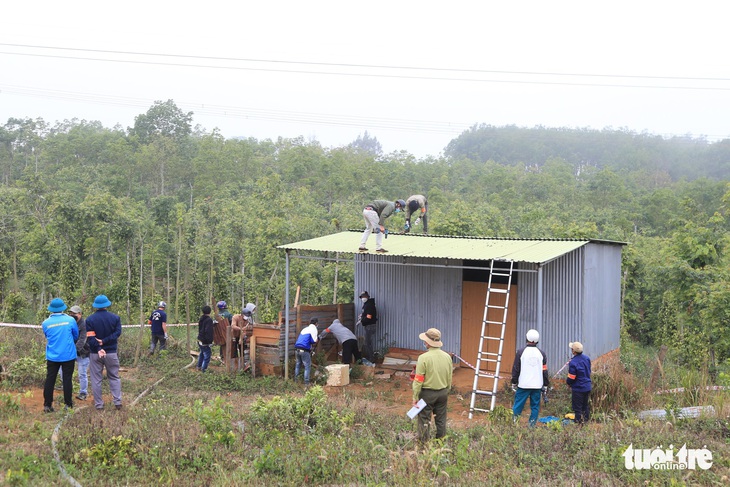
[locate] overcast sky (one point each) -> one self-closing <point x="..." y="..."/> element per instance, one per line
<point x="414" y="74"/>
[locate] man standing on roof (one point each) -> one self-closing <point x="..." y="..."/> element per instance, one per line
<point x="416" y="205"/>
<point x="368" y="319"/>
<point x="375" y="214"/>
<point x="530" y="375"/>
<point x="158" y="323"/>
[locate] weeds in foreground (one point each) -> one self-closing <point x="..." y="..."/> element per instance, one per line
<point x="197" y="429"/>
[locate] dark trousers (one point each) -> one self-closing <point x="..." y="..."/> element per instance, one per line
<point x="369" y="347"/>
<point x="436" y="402"/>
<point x="580" y="406"/>
<point x="154" y="340"/>
<point x="234" y="348"/>
<point x="68" y="386"/>
<point x="349" y="350"/>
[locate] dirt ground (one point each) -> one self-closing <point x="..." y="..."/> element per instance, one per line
<point x="387" y="391"/>
<point x="399" y="384"/>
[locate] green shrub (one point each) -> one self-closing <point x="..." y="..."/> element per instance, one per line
<point x="28" y="370"/>
<point x="9" y="404"/>
<point x="17" y="477"/>
<point x="215" y="418"/>
<point x="299" y="413"/>
<point x="116" y="452"/>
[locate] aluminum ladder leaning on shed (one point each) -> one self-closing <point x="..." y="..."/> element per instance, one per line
<point x="492" y="331"/>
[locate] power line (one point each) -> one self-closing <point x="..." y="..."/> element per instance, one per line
<point x="398" y="76"/>
<point x="427" y="126"/>
<point x="368" y="66"/>
<point x="424" y="126"/>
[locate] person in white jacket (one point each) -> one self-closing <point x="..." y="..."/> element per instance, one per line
<point x="530" y="376"/>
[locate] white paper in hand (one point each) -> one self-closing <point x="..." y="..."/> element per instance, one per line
<point x="413" y="412"/>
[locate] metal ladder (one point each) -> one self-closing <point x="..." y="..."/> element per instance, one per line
<point x="491" y="331"/>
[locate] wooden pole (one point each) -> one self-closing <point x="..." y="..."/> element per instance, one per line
<point x="252" y="354"/>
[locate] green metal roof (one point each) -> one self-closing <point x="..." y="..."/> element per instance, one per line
<point x="441" y="247"/>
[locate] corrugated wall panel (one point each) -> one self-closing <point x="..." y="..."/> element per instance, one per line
<point x="563" y="314"/>
<point x="602" y="321"/>
<point x="561" y="307"/>
<point x="581" y="301"/>
<point x="411" y="299"/>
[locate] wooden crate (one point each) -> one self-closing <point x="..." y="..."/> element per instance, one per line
<point x="271" y="340"/>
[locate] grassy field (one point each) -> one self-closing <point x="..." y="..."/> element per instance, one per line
<point x="194" y="429"/>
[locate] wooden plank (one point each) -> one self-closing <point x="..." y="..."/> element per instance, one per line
<point x="252" y="355"/>
<point x="404" y="367"/>
<point x="268" y="369"/>
<point x="267" y="332"/>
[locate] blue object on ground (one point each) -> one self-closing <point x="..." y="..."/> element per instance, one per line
<point x="548" y="419"/>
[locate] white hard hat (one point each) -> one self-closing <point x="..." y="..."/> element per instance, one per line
<point x="532" y="336"/>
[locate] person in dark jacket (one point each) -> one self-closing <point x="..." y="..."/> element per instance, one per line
<point x="205" y="338"/>
<point x="529" y="377"/>
<point x="61" y="332"/>
<point x="368" y="318"/>
<point x="579" y="381"/>
<point x="158" y="327"/>
<point x="103" y="329"/>
<point x="82" y="353"/>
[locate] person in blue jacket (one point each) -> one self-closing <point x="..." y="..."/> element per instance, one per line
<point x="579" y="381"/>
<point x="103" y="329"/>
<point x="61" y="331"/>
<point x="303" y="349"/>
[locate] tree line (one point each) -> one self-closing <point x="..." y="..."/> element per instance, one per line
<point x="166" y="210"/>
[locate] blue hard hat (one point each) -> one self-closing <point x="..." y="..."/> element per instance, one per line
<point x="102" y="301"/>
<point x="56" y="305"/>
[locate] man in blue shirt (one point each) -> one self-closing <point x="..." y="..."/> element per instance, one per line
<point x="103" y="329"/>
<point x="61" y="331"/>
<point x="303" y="346"/>
<point x="158" y="323"/>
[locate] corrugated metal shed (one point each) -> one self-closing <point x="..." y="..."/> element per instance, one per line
<point x="568" y="289"/>
<point x="531" y="251"/>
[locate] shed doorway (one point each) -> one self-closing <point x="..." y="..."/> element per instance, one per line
<point x="474" y="295"/>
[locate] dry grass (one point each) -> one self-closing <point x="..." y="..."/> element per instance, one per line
<point x="214" y="429"/>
